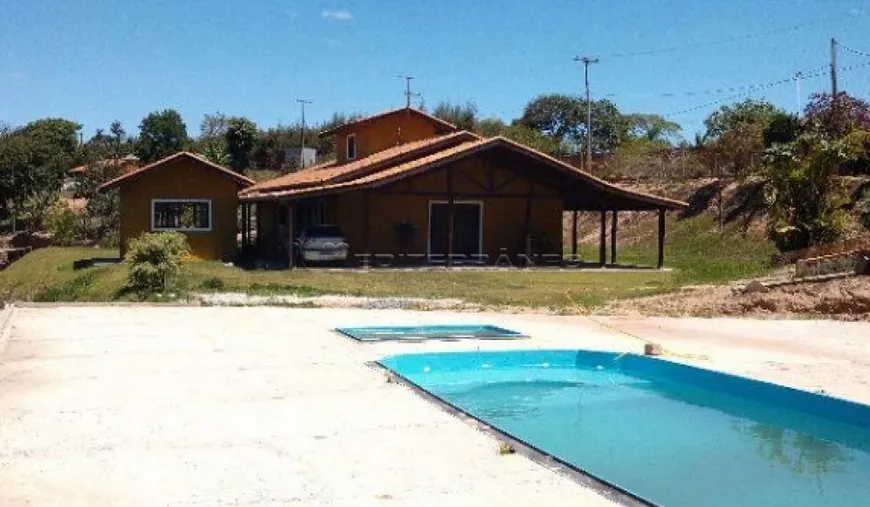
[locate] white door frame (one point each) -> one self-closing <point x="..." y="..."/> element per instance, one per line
<point x="479" y="204"/>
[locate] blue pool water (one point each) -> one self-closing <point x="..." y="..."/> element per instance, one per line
<point x="439" y="332"/>
<point x="674" y="435"/>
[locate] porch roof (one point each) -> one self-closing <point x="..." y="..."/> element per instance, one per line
<point x="580" y="190"/>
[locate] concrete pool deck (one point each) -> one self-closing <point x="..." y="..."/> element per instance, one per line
<point x="267" y="406"/>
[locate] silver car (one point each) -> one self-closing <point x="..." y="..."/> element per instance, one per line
<point x="322" y="243"/>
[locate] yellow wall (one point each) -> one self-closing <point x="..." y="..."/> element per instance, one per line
<point x="504" y="214"/>
<point x="386" y="132"/>
<point x="180" y="179"/>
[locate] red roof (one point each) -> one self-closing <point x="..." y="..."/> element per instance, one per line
<point x="127" y="164"/>
<point x="375" y="171"/>
<point x="440" y="125"/>
<point x="331" y="172"/>
<point x="242" y="180"/>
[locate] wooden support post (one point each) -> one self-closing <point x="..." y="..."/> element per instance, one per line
<point x="613" y="238"/>
<point x="257" y="225"/>
<point x="291" y="250"/>
<point x="574" y="235"/>
<point x="367" y="225"/>
<point x="451" y="216"/>
<point x="247" y="224"/>
<point x="528" y="226"/>
<point x="274" y="238"/>
<point x="243" y="226"/>
<point x="602" y="240"/>
<point x="661" y="260"/>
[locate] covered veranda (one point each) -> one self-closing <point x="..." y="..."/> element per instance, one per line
<point x="519" y="188"/>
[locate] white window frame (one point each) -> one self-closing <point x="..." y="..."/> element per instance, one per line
<point x="479" y="204"/>
<point x="347" y="146"/>
<point x="210" y="227"/>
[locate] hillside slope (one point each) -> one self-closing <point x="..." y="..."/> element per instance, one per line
<point x="702" y="244"/>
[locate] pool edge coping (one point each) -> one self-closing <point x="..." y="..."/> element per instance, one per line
<point x="605" y="489"/>
<point x="512" y="335"/>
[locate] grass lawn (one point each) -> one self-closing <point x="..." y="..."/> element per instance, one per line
<point x="694" y="249"/>
<point x="699" y="254"/>
<point x="47" y="275"/>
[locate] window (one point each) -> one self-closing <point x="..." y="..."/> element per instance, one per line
<point x="351" y="147"/>
<point x="181" y="215"/>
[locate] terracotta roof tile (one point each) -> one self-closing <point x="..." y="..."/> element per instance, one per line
<point x="402" y="169"/>
<point x="445" y="126"/>
<point x="243" y="180"/>
<point x="330" y="173"/>
<point x="130" y="160"/>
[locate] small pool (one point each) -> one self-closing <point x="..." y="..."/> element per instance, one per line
<point x="420" y="333"/>
<point x="672" y="435"/>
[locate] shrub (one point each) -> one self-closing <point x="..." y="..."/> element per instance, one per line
<point x="155" y="258"/>
<point x="803" y="197"/>
<point x="864" y="209"/>
<point x="213" y="283"/>
<point x="64" y="224"/>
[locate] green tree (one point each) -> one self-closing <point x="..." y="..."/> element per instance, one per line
<point x="268" y="152"/>
<point x="490" y="127"/>
<point x="563" y="117"/>
<point x="729" y="117"/>
<point x="783" y="128"/>
<point x="653" y="127"/>
<point x="735" y="135"/>
<point x="161" y="134"/>
<point x="240" y="136"/>
<point x="101" y="156"/>
<point x="463" y="116"/>
<point x="122" y="144"/>
<point x="212" y="141"/>
<point x="534" y="139"/>
<point x="34" y="160"/>
<point x="802" y="192"/>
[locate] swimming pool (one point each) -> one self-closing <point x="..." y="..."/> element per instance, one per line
<point x="673" y="435"/>
<point x="436" y="332"/>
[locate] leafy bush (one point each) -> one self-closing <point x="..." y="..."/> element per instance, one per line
<point x="863" y="208"/>
<point x="213" y="283"/>
<point x="802" y="193"/>
<point x="788" y="238"/>
<point x="64" y="224"/>
<point x="155" y="258"/>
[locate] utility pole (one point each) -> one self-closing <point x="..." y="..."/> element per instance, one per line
<point x="302" y="151"/>
<point x="408" y="94"/>
<point x="800" y="105"/>
<point x="586" y="62"/>
<point x="834" y="67"/>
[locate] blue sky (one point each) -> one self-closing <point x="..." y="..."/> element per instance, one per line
<point x="98" y="60"/>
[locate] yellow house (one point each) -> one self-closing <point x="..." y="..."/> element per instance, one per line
<point x="185" y="193"/>
<point x="405" y="186"/>
<point x="465" y="199"/>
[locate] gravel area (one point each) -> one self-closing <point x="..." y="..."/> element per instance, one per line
<point x="336" y="301"/>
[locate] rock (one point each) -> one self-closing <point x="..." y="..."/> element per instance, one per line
<point x="756" y="287"/>
<point x="653" y="349"/>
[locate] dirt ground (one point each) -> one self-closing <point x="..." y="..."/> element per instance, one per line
<point x="106" y="406"/>
<point x="845" y="299"/>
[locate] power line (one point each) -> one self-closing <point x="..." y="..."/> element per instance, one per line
<point x="730" y="40"/>
<point x="802" y="75"/>
<point x="743" y="88"/>
<point x="855" y="51"/>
